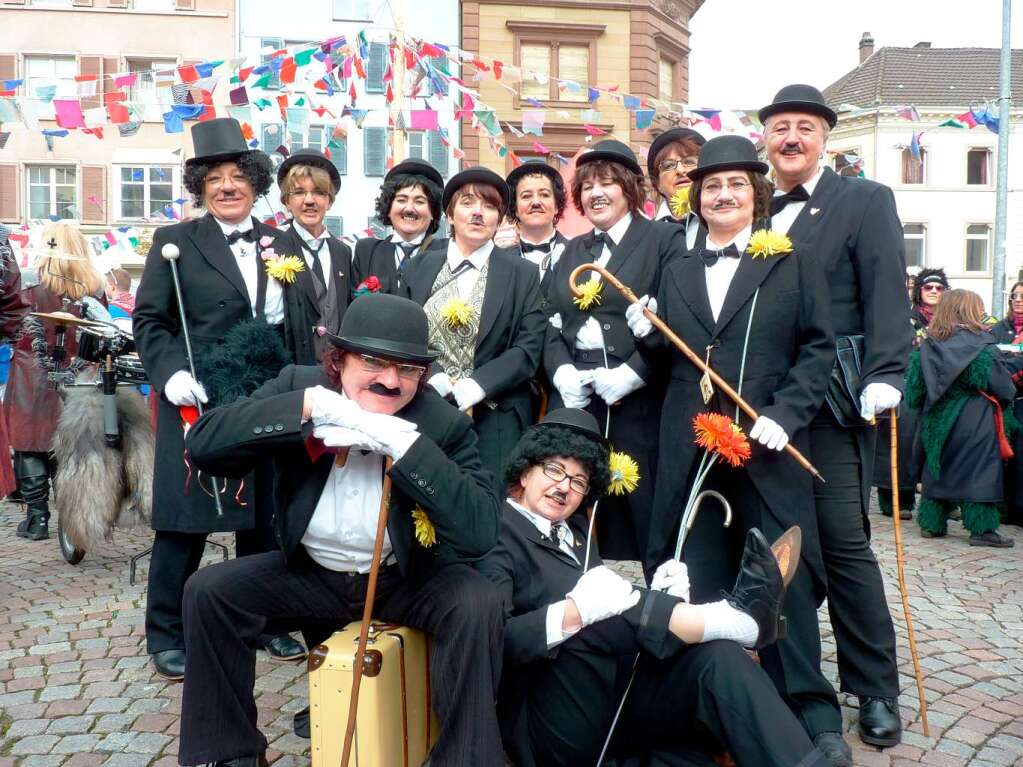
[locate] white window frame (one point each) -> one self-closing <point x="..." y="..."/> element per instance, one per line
<point x="987" y="251"/>
<point x="175" y="183"/>
<point x="351" y="13"/>
<point x="990" y="166"/>
<point x="52" y="186"/>
<point x="922" y="236"/>
<point x="67" y="88"/>
<point x="143" y="94"/>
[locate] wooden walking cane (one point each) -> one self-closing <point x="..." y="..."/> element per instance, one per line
<point x="682" y="347"/>
<point x="367" y="613"/>
<point x="902" y="575"/>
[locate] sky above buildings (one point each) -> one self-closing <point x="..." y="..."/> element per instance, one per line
<point x="743" y="51"/>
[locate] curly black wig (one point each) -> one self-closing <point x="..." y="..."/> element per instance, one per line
<point x="255" y="165"/>
<point x="925" y="276"/>
<point x="390" y="188"/>
<point x="540" y="443"/>
<point x="560" y="195"/>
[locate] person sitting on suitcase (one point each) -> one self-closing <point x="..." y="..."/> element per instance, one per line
<point x="367" y="401"/>
<point x="572" y="638"/>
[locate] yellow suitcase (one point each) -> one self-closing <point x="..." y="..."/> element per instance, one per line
<point x="395" y="726"/>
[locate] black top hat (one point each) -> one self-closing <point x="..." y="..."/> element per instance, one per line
<point x="314" y="157"/>
<point x="727" y="153"/>
<point x="477" y="175"/>
<point x="388" y="326"/>
<point x="416" y="168"/>
<point x="573" y="418"/>
<point x="799" y="98"/>
<point x="613" y="151"/>
<point x="530" y="168"/>
<point x="217" y="140"/>
<point x="668" y="137"/>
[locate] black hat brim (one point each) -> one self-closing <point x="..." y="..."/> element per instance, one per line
<point x="480" y="175"/>
<point x="391" y="350"/>
<point x="598" y="154"/>
<point x="753" y="165"/>
<point x="532" y="168"/>
<point x="808" y="107"/>
<point x="323" y="163"/>
<point x="416" y="168"/>
<point x="669" y="137"/>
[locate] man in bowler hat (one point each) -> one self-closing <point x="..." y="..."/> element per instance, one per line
<point x="366" y="399"/>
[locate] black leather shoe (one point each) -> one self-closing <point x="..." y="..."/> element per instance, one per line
<point x="834" y="748"/>
<point x="283" y="647"/>
<point x="244" y="761"/>
<point x="760" y="585"/>
<point x="170" y="664"/>
<point x="301" y="723"/>
<point x="880" y="724"/>
<point x="992" y="539"/>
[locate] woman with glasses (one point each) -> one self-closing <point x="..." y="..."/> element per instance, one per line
<point x="755" y="306"/>
<point x="483" y="307"/>
<point x="672" y="156"/>
<point x="1010" y="331"/>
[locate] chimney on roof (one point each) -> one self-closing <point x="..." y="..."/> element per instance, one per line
<point x="922" y="45"/>
<point x="866" y="47"/>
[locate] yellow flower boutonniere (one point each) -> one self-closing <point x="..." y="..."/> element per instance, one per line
<point x="590" y="294"/>
<point x="679" y="202"/>
<point x="279" y="267"/>
<point x="767" y="242"/>
<point x="456" y="313"/>
<point x="624" y="473"/>
<point x="425" y="532"/>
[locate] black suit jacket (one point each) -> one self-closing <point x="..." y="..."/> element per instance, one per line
<point x="852" y="228"/>
<point x="375" y="257"/>
<point x="638" y="260"/>
<point x="441" y="472"/>
<point x="511" y="335"/>
<point x="215" y="299"/>
<point x="790" y="354"/>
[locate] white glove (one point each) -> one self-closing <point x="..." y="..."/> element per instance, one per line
<point x="672" y="577"/>
<point x="640" y="326"/>
<point x="376" y="432"/>
<point x="467" y="393"/>
<point x="342" y="436"/>
<point x="441" y="383"/>
<point x="616" y="384"/>
<point x="575" y="385"/>
<point x="769" y="434"/>
<point x="330" y="407"/>
<point x="602" y="593"/>
<point x="182" y="389"/>
<point x="877" y="398"/>
<point x="555" y="320"/>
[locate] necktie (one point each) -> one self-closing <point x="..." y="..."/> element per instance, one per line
<point x="796" y="194"/>
<point x="237" y="234"/>
<point x="543" y="247"/>
<point x="462" y="267"/>
<point x="407" y="249"/>
<point x="557" y="534"/>
<point x="710" y="257"/>
<point x="317" y="264"/>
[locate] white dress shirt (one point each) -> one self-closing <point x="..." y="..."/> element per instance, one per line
<point x="783" y="220"/>
<point x="590" y="335"/>
<point x="249" y="264"/>
<point x="719" y="276"/>
<point x="691" y="222"/>
<point x="320" y="251"/>
<point x="399" y="254"/>
<point x="466" y="279"/>
<point x="538" y="257"/>
<point x="342" y="531"/>
<point x="556" y="611"/>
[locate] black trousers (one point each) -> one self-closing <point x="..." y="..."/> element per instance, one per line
<point x="229" y="604"/>
<point x="678" y="698"/>
<point x="864" y="634"/>
<point x="713" y="553"/>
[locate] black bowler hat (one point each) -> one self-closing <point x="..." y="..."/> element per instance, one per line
<point x="574" y="419"/>
<point x="416" y="168"/>
<point x="477" y="175"/>
<point x="727" y="153"/>
<point x="386" y="326"/>
<point x="612" y="151"/>
<point x="670" y="137"/>
<point x="533" y="168"/>
<point x="313" y="157"/>
<point x="799" y="98"/>
<point x="217" y="140"/>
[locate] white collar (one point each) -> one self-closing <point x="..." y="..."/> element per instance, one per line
<point x="809" y="186"/>
<point x="741" y="240"/>
<point x="540" y="523"/>
<point x="664" y="210"/>
<point x="397" y="239"/>
<point x="305" y="235"/>
<point x="477" y="258"/>
<point x="544" y="241"/>
<point x="227" y="228"/>
<point x="617" y="231"/>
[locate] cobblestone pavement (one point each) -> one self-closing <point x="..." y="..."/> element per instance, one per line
<point x="76" y="687"/>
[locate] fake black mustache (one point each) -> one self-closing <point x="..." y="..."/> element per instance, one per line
<point x="410" y="214"/>
<point x="384" y="391"/>
<point x="791" y="149"/>
<point x="558" y="495"/>
<point x="476" y="220"/>
<point x="595" y="200"/>
<point x="721" y="205"/>
<point x="537" y="208"/>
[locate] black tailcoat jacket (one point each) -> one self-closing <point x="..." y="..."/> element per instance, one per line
<point x="441" y="472"/>
<point x="375" y="257"/>
<point x="790" y="354"/>
<point x="216" y="300"/>
<point x="509" y="344"/>
<point x="339" y="264"/>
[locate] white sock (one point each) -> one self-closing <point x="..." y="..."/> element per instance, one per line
<point x="722" y="621"/>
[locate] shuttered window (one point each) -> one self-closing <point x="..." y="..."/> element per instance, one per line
<point x="376" y="67"/>
<point x="374" y="151"/>
<point x="438" y="153"/>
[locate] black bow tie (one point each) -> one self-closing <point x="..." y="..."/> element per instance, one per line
<point x="237" y="234"/>
<point x="796" y="194"/>
<point x="543" y="247"/>
<point x="710" y="257"/>
<point x="597" y="242"/>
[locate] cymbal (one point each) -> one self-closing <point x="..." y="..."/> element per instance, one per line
<point x="66" y="318"/>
